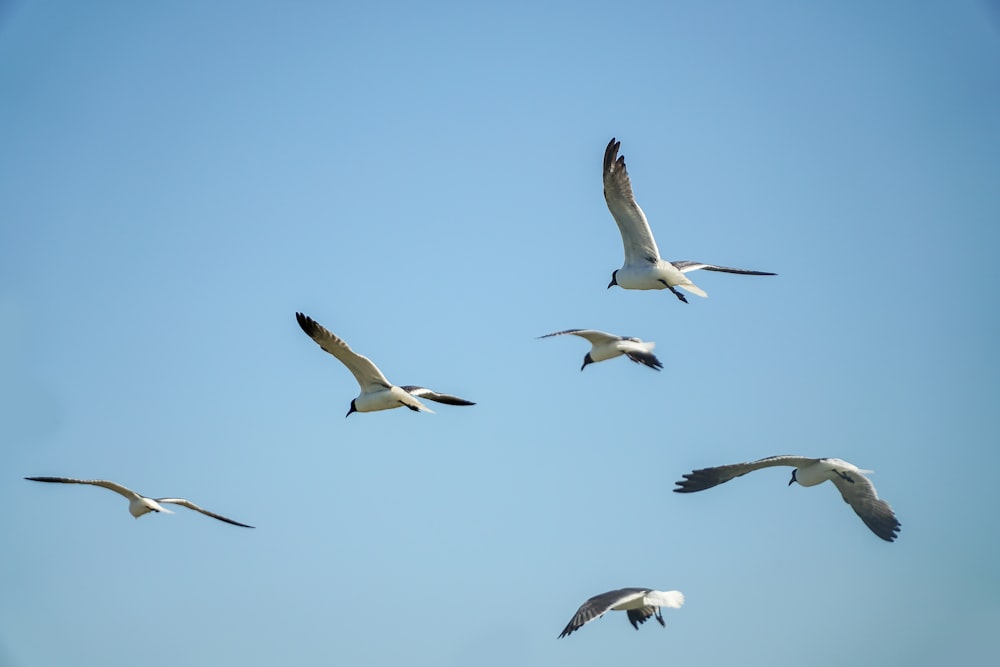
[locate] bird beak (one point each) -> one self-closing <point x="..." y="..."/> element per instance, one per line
<point x="612" y="283"/>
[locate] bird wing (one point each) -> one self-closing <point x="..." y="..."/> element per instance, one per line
<point x="637" y="238"/>
<point x="117" y="488"/>
<point x="365" y="372"/>
<point x="706" y="478"/>
<point x="596" y="607"/>
<point x="431" y="395"/>
<point x="644" y="357"/>
<point x="860" y="494"/>
<point x="639" y="616"/>
<point x="190" y="505"/>
<point x="595" y="337"/>
<point x="684" y="266"/>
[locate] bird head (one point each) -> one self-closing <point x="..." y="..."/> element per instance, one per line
<point x="793" y="479"/>
<point x="586" y="360"/>
<point x="354" y="408"/>
<point x="614" y="279"/>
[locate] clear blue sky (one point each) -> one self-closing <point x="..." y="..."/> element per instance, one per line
<point x="178" y="178"/>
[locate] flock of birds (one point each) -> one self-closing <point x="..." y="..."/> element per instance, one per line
<point x="643" y="269"/>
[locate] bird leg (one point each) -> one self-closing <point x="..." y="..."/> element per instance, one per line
<point x="676" y="293"/>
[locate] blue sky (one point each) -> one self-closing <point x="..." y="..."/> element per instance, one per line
<point x="177" y="179"/>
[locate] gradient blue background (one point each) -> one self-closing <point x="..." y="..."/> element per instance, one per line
<point x="178" y="178"/>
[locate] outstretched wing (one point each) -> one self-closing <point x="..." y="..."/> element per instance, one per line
<point x="183" y="502"/>
<point x="684" y="266"/>
<point x="595" y="337"/>
<point x="637" y="238"/>
<point x="596" y="606"/>
<point x="431" y="395"/>
<point x="706" y="478"/>
<point x="365" y="372"/>
<point x="111" y="486"/>
<point x="860" y="494"/>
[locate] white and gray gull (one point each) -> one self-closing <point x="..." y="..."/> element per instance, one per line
<point x="639" y="603"/>
<point x="643" y="267"/>
<point x="377" y="393"/>
<point x="856" y="489"/>
<point x="137" y="504"/>
<point x="605" y="346"/>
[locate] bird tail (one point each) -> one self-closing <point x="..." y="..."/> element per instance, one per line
<point x="665" y="598"/>
<point x="694" y="289"/>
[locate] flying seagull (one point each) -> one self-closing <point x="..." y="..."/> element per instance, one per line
<point x="608" y="346"/>
<point x="139" y="505"/>
<point x="643" y="268"/>
<point x="377" y="393"/>
<point x="640" y="603"/>
<point x="857" y="490"/>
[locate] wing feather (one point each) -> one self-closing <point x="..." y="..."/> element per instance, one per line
<point x="595" y="337"/>
<point x="637" y="238"/>
<point x="598" y="605"/>
<point x="431" y="395"/>
<point x="183" y="502"/>
<point x="369" y="377"/>
<point x="685" y="266"/>
<point x="111" y="486"/>
<point x="858" y="492"/>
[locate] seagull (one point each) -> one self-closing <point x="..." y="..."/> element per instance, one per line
<point x="138" y="505"/>
<point x="608" y="346"/>
<point x="377" y="393"/>
<point x="857" y="490"/>
<point x="643" y="268"/>
<point x="640" y="603"/>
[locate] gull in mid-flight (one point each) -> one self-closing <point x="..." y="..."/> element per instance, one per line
<point x="138" y="505"/>
<point x="640" y="603"/>
<point x="643" y="268"/>
<point x="608" y="346"/>
<point x="857" y="490"/>
<point x="377" y="393"/>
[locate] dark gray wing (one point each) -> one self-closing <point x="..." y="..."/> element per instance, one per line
<point x="431" y="395"/>
<point x="706" y="478"/>
<point x="860" y="494"/>
<point x="639" y="616"/>
<point x="647" y="358"/>
<point x="684" y="266"/>
<point x="596" y="607"/>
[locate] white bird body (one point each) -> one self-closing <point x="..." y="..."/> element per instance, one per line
<point x="138" y="504"/>
<point x="377" y="393"/>
<point x="604" y="346"/>
<point x="856" y="489"/>
<point x="640" y="603"/>
<point x="384" y="398"/>
<point x="644" y="269"/>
